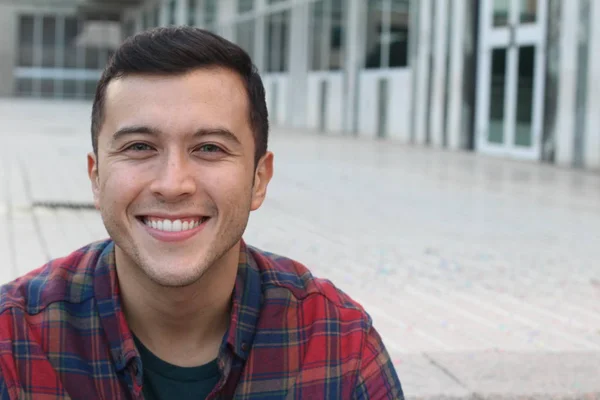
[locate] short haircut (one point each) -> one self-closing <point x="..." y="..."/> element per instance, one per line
<point x="179" y="50"/>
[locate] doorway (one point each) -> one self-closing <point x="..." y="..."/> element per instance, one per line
<point x="511" y="64"/>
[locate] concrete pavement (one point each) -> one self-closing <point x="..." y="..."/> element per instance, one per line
<point x="482" y="275"/>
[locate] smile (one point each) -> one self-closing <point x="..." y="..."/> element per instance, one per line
<point x="173" y="229"/>
<point x="177" y="225"/>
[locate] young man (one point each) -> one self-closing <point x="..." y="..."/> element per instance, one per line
<point x="175" y="305"/>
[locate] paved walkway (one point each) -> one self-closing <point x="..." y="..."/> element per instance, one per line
<point x="482" y="275"/>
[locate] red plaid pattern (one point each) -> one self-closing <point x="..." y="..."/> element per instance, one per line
<point x="63" y="335"/>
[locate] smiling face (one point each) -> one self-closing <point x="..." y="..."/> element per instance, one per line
<point x="174" y="177"/>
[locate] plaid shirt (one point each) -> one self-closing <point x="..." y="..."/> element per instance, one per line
<point x="63" y="335"/>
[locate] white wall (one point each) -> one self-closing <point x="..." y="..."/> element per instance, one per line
<point x="592" y="124"/>
<point x="399" y="91"/>
<point x="278" y="113"/>
<point x="457" y="137"/>
<point x="334" y="102"/>
<point x="421" y="70"/>
<point x="438" y="76"/>
<point x="567" y="84"/>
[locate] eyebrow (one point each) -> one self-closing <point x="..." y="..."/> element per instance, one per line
<point x="146" y="130"/>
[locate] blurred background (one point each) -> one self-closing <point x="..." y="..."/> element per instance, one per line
<point x="515" y="78"/>
<point x="439" y="160"/>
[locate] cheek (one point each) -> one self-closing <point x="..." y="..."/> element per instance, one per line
<point x="119" y="187"/>
<point x="230" y="189"/>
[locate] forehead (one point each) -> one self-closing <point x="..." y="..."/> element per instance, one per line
<point x="214" y="97"/>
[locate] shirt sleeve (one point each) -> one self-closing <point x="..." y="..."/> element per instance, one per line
<point x="3" y="389"/>
<point x="3" y="335"/>
<point x="377" y="377"/>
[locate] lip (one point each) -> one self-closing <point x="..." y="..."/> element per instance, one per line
<point x="172" y="236"/>
<point x="172" y="217"/>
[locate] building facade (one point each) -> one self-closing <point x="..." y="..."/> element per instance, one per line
<point x="510" y="78"/>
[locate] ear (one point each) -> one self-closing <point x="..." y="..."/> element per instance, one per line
<point x="262" y="177"/>
<point x="92" y="163"/>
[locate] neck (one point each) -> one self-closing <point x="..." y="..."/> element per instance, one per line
<point x="181" y="325"/>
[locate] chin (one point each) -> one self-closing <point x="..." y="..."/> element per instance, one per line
<point x="174" y="280"/>
<point x="173" y="270"/>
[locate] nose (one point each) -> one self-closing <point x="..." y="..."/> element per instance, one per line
<point x="174" y="178"/>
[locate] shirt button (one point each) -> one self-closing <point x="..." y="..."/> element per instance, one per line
<point x="244" y="346"/>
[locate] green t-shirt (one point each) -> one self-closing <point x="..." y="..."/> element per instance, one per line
<point x="164" y="381"/>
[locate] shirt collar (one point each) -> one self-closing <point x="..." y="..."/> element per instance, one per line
<point x="108" y="299"/>
<point x="245" y="311"/>
<point x="246" y="304"/>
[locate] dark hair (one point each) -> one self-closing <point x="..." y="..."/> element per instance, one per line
<point x="177" y="50"/>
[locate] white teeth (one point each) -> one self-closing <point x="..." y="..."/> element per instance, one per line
<point x="172" y="226"/>
<point x="176" y="225"/>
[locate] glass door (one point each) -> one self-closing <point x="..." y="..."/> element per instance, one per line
<point x="510" y="77"/>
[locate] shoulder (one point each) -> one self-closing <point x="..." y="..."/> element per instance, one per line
<point x="285" y="278"/>
<point x="67" y="279"/>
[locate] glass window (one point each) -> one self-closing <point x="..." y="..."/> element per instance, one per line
<point x="92" y="58"/>
<point x="48" y="41"/>
<point x="316" y="29"/>
<point x="210" y="14"/>
<point x="90" y="89"/>
<point x="525" y="100"/>
<point x="275" y="1"/>
<point x="103" y="56"/>
<point x="399" y="22"/>
<point x="387" y="33"/>
<point x="26" y="42"/>
<point x="70" y="89"/>
<point x="497" y="96"/>
<point x="501" y="12"/>
<point x="24" y="87"/>
<point x="374" y="33"/>
<point x="245" y="36"/>
<point x="191" y="12"/>
<point x="128" y="29"/>
<point x="528" y="12"/>
<point x="245" y="6"/>
<point x="109" y="54"/>
<point x="336" y="53"/>
<point x="172" y="13"/>
<point x="71" y="31"/>
<point x="47" y="88"/>
<point x="146" y="20"/>
<point x="155" y="17"/>
<point x="277" y="41"/>
<point x="327" y="31"/>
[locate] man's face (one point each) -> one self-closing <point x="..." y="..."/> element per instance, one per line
<point x="174" y="178"/>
